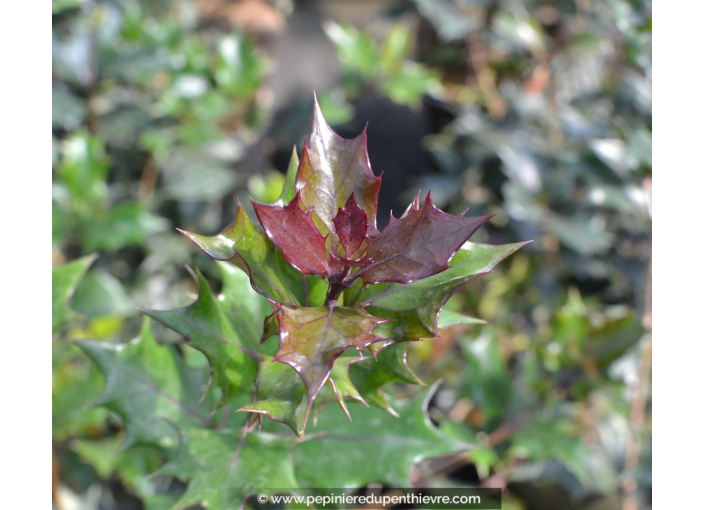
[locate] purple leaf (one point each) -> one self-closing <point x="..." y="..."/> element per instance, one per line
<point x="419" y="244"/>
<point x="293" y="231"/>
<point x="351" y="226"/>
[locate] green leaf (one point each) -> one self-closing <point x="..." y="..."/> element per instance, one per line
<point x="76" y="382"/>
<point x="289" y="190"/>
<point x="370" y="375"/>
<point x="100" y="293"/>
<point x="152" y="389"/>
<point x="64" y="280"/>
<point x="544" y="438"/>
<point x="122" y="225"/>
<point x="341" y="384"/>
<point x="246" y="245"/>
<point x="355" y="50"/>
<point x="381" y="447"/>
<point x="488" y="381"/>
<point x="222" y="468"/>
<point x="415" y="306"/>
<point x="84" y="168"/>
<point x="222" y="330"/>
<point x="281" y="395"/>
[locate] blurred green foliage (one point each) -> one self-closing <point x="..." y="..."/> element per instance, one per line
<point x="152" y="109"/>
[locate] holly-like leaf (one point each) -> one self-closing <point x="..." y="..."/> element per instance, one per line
<point x="370" y="375"/>
<point x="151" y="388"/>
<point x="415" y="307"/>
<point x="281" y="395"/>
<point x="64" y="280"/>
<point x="245" y="245"/>
<point x="419" y="244"/>
<point x="382" y="448"/>
<point x="310" y="339"/>
<point x="341" y="384"/>
<point x="222" y="468"/>
<point x="293" y="231"/>
<point x="351" y="226"/>
<point x="333" y="168"/>
<point x="224" y="332"/>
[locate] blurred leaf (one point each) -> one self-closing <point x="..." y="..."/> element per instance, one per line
<point x="382" y="448"/>
<point x="547" y="439"/>
<point x="64" y="280"/>
<point x="76" y="383"/>
<point x="239" y="71"/>
<point x="448" y="21"/>
<point x="84" y="168"/>
<point x="153" y="390"/>
<point x="222" y="468"/>
<point x="123" y="224"/>
<point x="355" y="49"/>
<point x="61" y="5"/>
<point x="99" y="293"/>
<point x="67" y="110"/>
<point x="488" y="382"/>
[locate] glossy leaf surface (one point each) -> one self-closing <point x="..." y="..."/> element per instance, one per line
<point x="419" y="244"/>
<point x="351" y="226"/>
<point x="333" y="168"/>
<point x="310" y="339"/>
<point x="248" y="247"/>
<point x="281" y="395"/>
<point x="293" y="231"/>
<point x="416" y="306"/>
<point x="370" y="375"/>
<point x="222" y="333"/>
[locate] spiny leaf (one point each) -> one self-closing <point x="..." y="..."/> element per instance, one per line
<point x="151" y="388"/>
<point x="64" y="280"/>
<point x="351" y="226"/>
<point x="419" y="244"/>
<point x="293" y="231"/>
<point x="281" y="395"/>
<point x="222" y="338"/>
<point x="245" y="245"/>
<point x="310" y="339"/>
<point x="222" y="468"/>
<point x="382" y="448"/>
<point x="332" y="169"/>
<point x="341" y="383"/>
<point x="369" y="376"/>
<point x="415" y="307"/>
